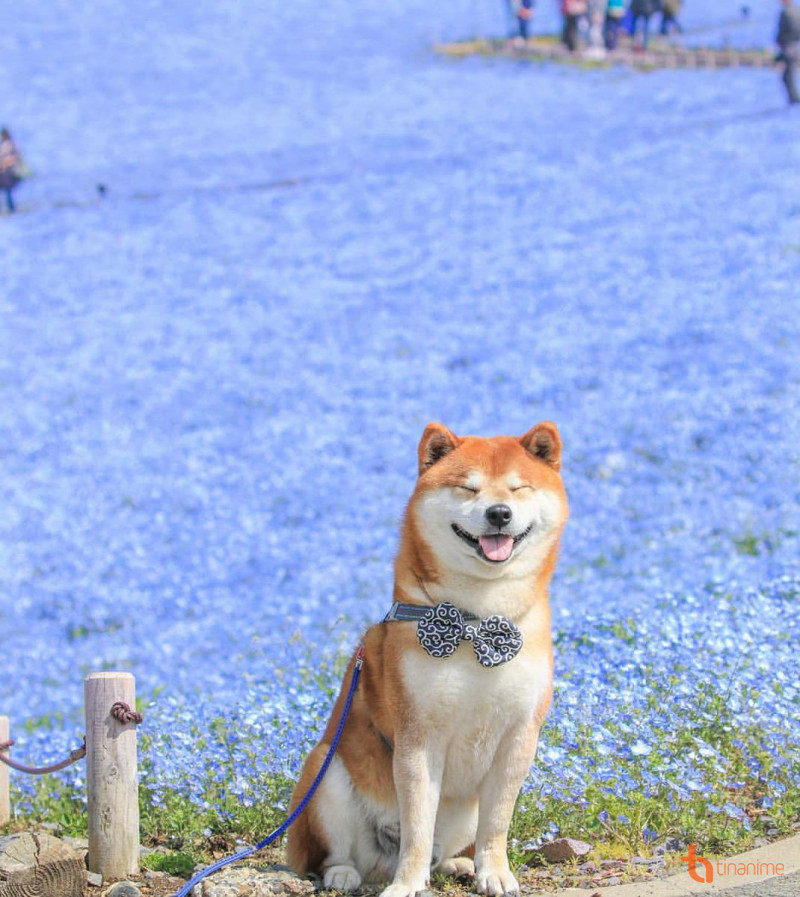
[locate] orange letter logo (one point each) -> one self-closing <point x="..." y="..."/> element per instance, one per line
<point x="692" y="861"/>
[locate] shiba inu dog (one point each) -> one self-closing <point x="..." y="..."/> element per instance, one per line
<point x="456" y="680"/>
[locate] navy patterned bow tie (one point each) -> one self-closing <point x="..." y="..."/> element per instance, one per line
<point x="441" y="628"/>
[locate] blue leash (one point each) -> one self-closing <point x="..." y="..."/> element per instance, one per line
<point x="249" y="851"/>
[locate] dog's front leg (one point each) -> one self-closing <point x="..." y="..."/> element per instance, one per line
<point x="418" y="780"/>
<point x="497" y="797"/>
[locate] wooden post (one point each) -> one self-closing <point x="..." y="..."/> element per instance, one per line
<point x="111" y="780"/>
<point x="5" y="799"/>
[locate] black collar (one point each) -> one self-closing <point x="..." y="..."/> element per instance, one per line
<point x="403" y="612"/>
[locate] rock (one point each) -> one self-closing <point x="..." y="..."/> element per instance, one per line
<point x="612" y="880"/>
<point x="671" y="845"/>
<point x="253" y="882"/>
<point x="79" y="845"/>
<point x="41" y="865"/>
<point x="123" y="889"/>
<point x="563" y="849"/>
<point x="95" y="879"/>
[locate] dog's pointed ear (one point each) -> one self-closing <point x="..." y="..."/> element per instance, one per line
<point x="544" y="442"/>
<point x="437" y="441"/>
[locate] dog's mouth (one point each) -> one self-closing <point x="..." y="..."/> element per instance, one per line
<point x="493" y="547"/>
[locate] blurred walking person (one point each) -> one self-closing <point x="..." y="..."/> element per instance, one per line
<point x="11" y="167"/>
<point x="670" y="10"/>
<point x="572" y="10"/>
<point x="596" y="14"/>
<point x="615" y="13"/>
<point x="642" y="10"/>
<point x="788" y="40"/>
<point x="523" y="11"/>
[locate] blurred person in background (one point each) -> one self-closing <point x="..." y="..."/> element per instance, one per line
<point x="572" y="10"/>
<point x="615" y="13"/>
<point x="642" y="10"/>
<point x="596" y="16"/>
<point x="523" y="10"/>
<point x="788" y="39"/>
<point x="670" y="10"/>
<point x="12" y="168"/>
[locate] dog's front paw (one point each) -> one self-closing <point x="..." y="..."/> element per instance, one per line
<point x="403" y="889"/>
<point x="495" y="883"/>
<point x="458" y="867"/>
<point x="341" y="878"/>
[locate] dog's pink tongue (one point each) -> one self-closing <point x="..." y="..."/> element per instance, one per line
<point x="497" y="547"/>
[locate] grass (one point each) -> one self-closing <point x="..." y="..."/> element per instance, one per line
<point x="666" y="751"/>
<point x="618" y="826"/>
<point x="178" y="824"/>
<point x="181" y="865"/>
<point x="721" y="822"/>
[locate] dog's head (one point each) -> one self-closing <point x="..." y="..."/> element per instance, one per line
<point x="489" y="507"/>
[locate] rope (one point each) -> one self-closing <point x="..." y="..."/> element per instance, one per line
<point x="121" y="712"/>
<point x="74" y="756"/>
<point x="249" y="851"/>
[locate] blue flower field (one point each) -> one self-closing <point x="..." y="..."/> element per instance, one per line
<point x="318" y="235"/>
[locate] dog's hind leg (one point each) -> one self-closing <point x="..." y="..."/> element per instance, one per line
<point x="457" y="867"/>
<point x="324" y="838"/>
<point x="456" y="824"/>
<point x="337" y="815"/>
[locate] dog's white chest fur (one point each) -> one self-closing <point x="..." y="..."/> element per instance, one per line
<point x="465" y="710"/>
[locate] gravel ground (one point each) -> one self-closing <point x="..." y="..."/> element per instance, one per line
<point x="532" y="881"/>
<point x="160" y="885"/>
<point x="780" y="886"/>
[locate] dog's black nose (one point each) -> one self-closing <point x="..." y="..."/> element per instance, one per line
<point x="499" y="515"/>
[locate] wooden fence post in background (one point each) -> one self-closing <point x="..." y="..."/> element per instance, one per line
<point x="5" y="800"/>
<point x="111" y="779"/>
